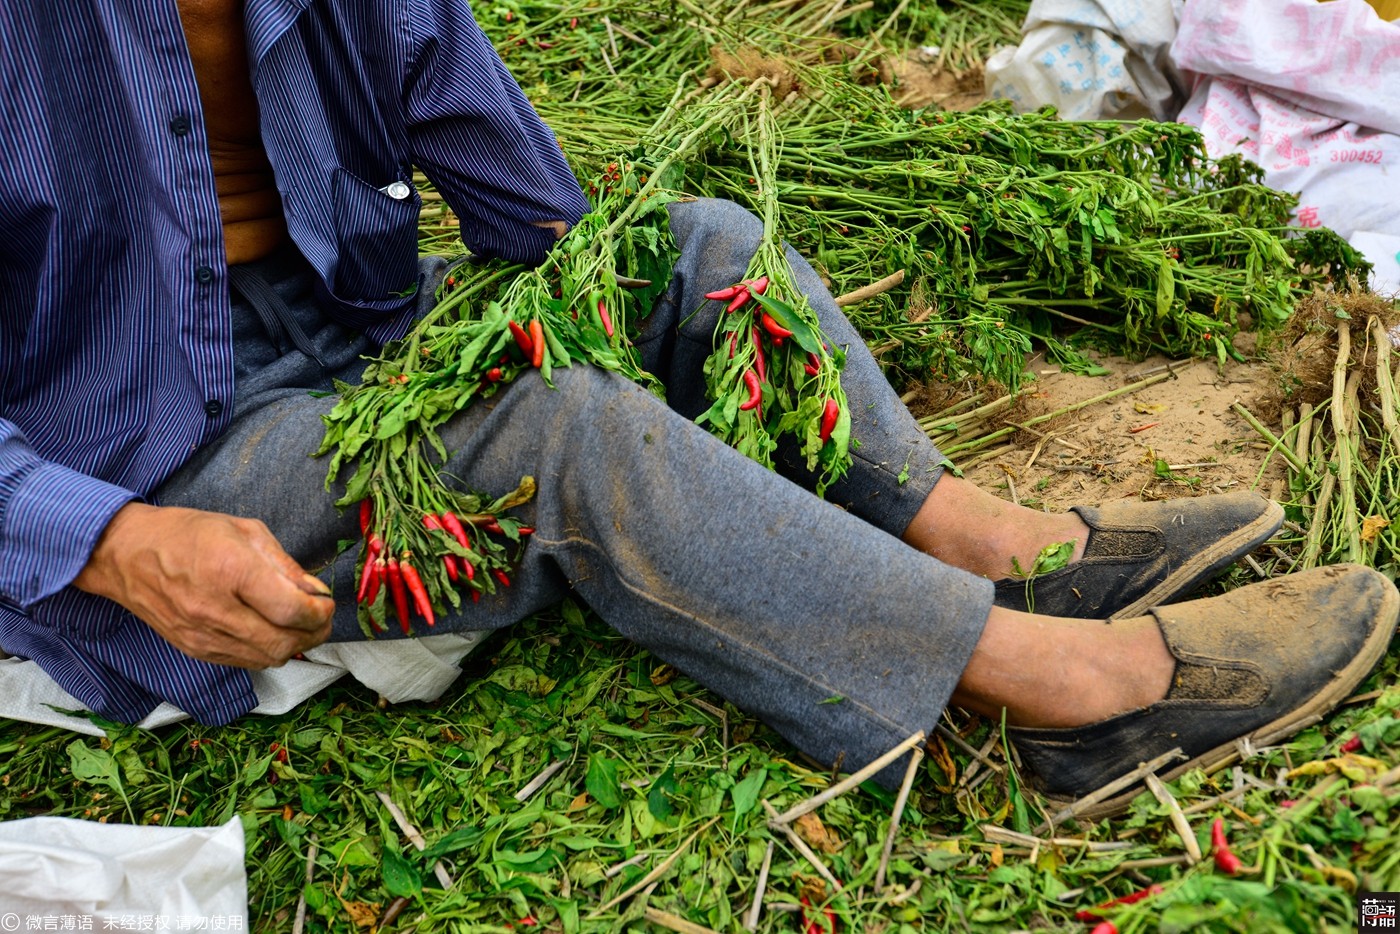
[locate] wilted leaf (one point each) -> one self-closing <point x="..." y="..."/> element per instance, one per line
<point x="811" y="829"/>
<point x="362" y="914"/>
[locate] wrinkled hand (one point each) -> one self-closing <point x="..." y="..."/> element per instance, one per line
<point x="217" y="587"/>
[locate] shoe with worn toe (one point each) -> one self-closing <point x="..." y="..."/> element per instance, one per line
<point x="1258" y="664"/>
<point x="1146" y="554"/>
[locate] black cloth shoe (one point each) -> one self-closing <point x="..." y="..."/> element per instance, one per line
<point x="1259" y="663"/>
<point x="1141" y="555"/>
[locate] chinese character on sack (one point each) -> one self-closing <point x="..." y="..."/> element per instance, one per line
<point x="1307" y="217"/>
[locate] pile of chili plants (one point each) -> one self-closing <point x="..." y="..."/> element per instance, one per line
<point x="1013" y="231"/>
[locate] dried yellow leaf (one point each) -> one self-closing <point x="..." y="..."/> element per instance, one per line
<point x="1372" y="526"/>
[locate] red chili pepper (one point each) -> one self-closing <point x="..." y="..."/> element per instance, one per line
<point x="432" y="523"/>
<point x="375" y="546"/>
<point x="755" y="391"/>
<point x="733" y="343"/>
<point x="829" y="416"/>
<point x="1093" y="914"/>
<point x="759" y="361"/>
<point x="493" y="527"/>
<point x="1351" y="745"/>
<point x="381" y="574"/>
<point x="493" y="375"/>
<point x="501" y="576"/>
<point x="366" y="513"/>
<point x="367" y="580"/>
<point x="725" y="294"/>
<point x="537" y="343"/>
<point x="813" y="925"/>
<point x="525" y="530"/>
<point x="573" y="22"/>
<point x="278" y="750"/>
<point x="476" y="596"/>
<point x="813" y="364"/>
<point x="454" y="525"/>
<point x="450" y="563"/>
<point x="740" y="299"/>
<point x="1225" y="860"/>
<point x="399" y="592"/>
<point x="419" y="592"/>
<point x="1105" y="927"/>
<point x="774" y="329"/>
<point x="759" y="285"/>
<point x="606" y="318"/>
<point x="522" y="340"/>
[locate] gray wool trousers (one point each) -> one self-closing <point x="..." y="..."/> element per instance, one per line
<point x="739" y="576"/>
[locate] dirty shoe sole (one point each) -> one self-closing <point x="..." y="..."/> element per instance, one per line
<point x="1199" y="636"/>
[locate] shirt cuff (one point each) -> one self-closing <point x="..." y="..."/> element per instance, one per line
<point x="50" y="524"/>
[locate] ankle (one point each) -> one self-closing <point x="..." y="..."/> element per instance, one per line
<point x="1051" y="672"/>
<point x="965" y="526"/>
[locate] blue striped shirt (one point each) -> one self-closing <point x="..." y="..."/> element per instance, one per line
<point x="115" y="346"/>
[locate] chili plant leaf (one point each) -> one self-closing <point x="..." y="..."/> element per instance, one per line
<point x="746" y="792"/>
<point x="601" y="781"/>
<point x="400" y="878"/>
<point x="787" y="316"/>
<point x="659" y="797"/>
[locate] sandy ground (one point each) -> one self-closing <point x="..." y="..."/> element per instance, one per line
<point x="1178" y="437"/>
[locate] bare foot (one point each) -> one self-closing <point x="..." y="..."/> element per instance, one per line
<point x="967" y="527"/>
<point x="1052" y="672"/>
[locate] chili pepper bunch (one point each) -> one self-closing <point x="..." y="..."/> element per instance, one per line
<point x="772" y="372"/>
<point x="463" y="544"/>
<point x="424" y="543"/>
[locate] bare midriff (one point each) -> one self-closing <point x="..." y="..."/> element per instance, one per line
<point x="249" y="206"/>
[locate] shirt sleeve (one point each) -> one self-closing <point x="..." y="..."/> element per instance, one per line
<point x="475" y="135"/>
<point x="50" y="519"/>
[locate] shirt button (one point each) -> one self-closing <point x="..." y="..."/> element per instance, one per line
<point x="213" y="408"/>
<point x="180" y="124"/>
<point x="204" y="275"/>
